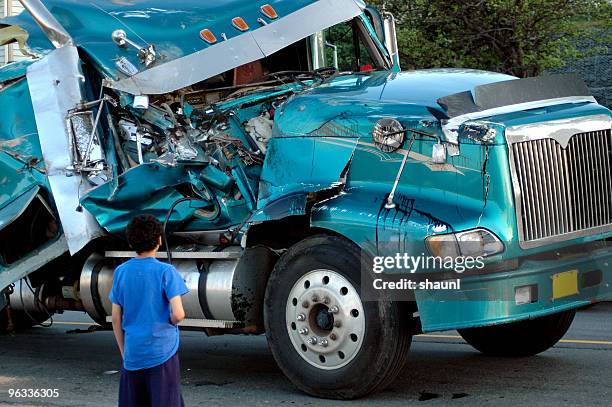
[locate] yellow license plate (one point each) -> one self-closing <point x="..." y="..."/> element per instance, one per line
<point x="565" y="284"/>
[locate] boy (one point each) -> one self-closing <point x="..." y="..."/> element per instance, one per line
<point x="147" y="307"/>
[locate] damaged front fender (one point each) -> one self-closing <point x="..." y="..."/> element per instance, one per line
<point x="148" y="188"/>
<point x="297" y="167"/>
<point x="55" y="84"/>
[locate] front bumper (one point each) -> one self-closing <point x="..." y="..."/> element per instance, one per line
<point x="490" y="299"/>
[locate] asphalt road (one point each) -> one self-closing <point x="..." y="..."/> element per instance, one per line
<point x="239" y="370"/>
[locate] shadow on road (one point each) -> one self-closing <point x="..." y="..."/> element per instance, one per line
<point x="238" y="370"/>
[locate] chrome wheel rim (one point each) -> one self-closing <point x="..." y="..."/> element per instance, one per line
<point x="325" y="319"/>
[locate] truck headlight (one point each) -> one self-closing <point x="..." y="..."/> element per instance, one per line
<point x="473" y="243"/>
<point x="479" y="132"/>
<point x="388" y="134"/>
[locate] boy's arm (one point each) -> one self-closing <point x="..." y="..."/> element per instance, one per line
<point x="177" y="313"/>
<point x="117" y="315"/>
<point x="174" y="288"/>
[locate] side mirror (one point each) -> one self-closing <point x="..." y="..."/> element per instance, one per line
<point x="335" y="53"/>
<point x="317" y="50"/>
<point x="376" y="19"/>
<point x="438" y="154"/>
<point x="384" y="25"/>
<point x="391" y="37"/>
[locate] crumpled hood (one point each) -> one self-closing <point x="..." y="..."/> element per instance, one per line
<point x="174" y="29"/>
<point x="409" y="95"/>
<point x="417" y="87"/>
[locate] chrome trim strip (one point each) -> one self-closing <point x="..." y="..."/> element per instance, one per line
<point x="56" y="33"/>
<point x="55" y="88"/>
<point x="531" y="244"/>
<point x="451" y="126"/>
<point x="207" y="323"/>
<point x="240" y="50"/>
<point x="562" y="132"/>
<point x="200" y="323"/>
<point x="224" y="255"/>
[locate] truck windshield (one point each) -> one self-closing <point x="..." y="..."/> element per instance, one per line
<point x="348" y="48"/>
<point x="344" y="48"/>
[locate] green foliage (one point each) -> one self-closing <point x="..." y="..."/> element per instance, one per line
<point x="519" y="37"/>
<point x="342" y="36"/>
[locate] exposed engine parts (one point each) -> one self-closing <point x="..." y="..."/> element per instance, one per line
<point x="87" y="152"/>
<point x="85" y="140"/>
<point x="227" y="144"/>
<point x="212" y="155"/>
<point x="260" y="129"/>
<point x="213" y="135"/>
<point x="136" y="141"/>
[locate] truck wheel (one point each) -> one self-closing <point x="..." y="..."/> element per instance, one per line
<point x="3" y="321"/>
<point x="519" y="339"/>
<point x="325" y="339"/>
<point x="21" y="321"/>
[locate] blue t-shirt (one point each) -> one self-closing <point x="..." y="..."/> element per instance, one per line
<point x="143" y="287"/>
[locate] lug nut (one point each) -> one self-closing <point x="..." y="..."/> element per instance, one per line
<point x="333" y="336"/>
<point x="334" y="309"/>
<point x="324" y="343"/>
<point x="325" y="300"/>
<point x="304" y="331"/>
<point x="305" y="304"/>
<point x="313" y="340"/>
<point x="315" y="298"/>
<point x="337" y="324"/>
<point x="301" y="317"/>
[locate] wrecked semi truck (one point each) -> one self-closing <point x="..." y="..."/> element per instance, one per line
<point x="283" y="149"/>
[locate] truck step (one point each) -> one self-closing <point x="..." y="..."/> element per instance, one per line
<point x="201" y="323"/>
<point x="200" y="254"/>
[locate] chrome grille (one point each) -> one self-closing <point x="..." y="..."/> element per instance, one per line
<point x="563" y="192"/>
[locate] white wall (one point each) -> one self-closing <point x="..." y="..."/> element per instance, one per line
<point x="2" y="48"/>
<point x="10" y="53"/>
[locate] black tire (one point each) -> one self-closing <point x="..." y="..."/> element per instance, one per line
<point x="520" y="339"/>
<point x="21" y="321"/>
<point x="386" y="338"/>
<point x="3" y="321"/>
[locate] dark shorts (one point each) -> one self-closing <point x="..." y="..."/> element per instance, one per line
<point x="158" y="386"/>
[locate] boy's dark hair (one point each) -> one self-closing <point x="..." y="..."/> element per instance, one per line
<point x="143" y="233"/>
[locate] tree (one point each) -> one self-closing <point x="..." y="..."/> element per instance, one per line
<point x="519" y="37"/>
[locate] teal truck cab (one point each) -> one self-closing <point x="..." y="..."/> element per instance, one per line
<point x="285" y="152"/>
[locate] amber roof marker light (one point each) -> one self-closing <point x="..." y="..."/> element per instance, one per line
<point x="240" y="24"/>
<point x="268" y="11"/>
<point x="208" y="36"/>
